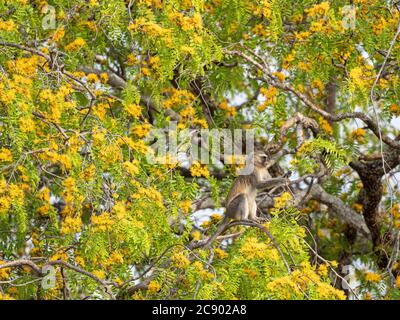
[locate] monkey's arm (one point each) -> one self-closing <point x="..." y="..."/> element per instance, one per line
<point x="273" y="182"/>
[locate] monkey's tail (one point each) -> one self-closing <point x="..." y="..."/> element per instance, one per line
<point x="220" y="229"/>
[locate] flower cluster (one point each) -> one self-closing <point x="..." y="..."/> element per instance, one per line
<point x="318" y="9"/>
<point x="180" y="260"/>
<point x="102" y="222"/>
<point x="282" y="201"/>
<point x="199" y="170"/>
<point x="75" y="45"/>
<point x="253" y="249"/>
<point x="325" y="125"/>
<point x="177" y="97"/>
<point x="186" y="23"/>
<point x="358" y="134"/>
<point x="7" y="25"/>
<point x="71" y="225"/>
<point x="134" y="110"/>
<point x="372" y="277"/>
<point x="229" y="110"/>
<point x="141" y="130"/>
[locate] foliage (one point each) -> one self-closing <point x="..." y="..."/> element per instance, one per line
<point x="79" y="98"/>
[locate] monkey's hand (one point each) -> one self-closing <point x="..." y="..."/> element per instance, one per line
<point x="287" y="174"/>
<point x="274" y="182"/>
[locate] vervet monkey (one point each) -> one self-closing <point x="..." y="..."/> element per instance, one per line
<point x="241" y="201"/>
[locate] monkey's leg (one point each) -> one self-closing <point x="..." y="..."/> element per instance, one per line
<point x="253" y="211"/>
<point x="238" y="208"/>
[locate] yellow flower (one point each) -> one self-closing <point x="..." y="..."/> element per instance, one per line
<point x="398" y="282"/>
<point x="372" y="277"/>
<point x="15" y="192"/>
<point x="145" y="71"/>
<point x="116" y="258"/>
<point x="318" y="84"/>
<point x="395" y="211"/>
<point x="5" y="155"/>
<point x="59" y="34"/>
<point x="5" y="296"/>
<point x="196" y="235"/>
<point x="317" y="26"/>
<point x="259" y="30"/>
<point x="141" y="130"/>
<point x="5" y="204"/>
<point x="80" y="261"/>
<point x="199" y="170"/>
<point x="326" y="291"/>
<point x="269" y="94"/>
<point x="304" y="35"/>
<point x="92" y="77"/>
<point x="131" y="60"/>
<point x="188" y="112"/>
<point x="149" y="27"/>
<point x="75" y="45"/>
<point x="71" y="225"/>
<point x="4" y="273"/>
<point x="180" y="260"/>
<point x="26" y="124"/>
<point x="282" y="200"/>
<point x="178" y="98"/>
<point x="266" y="9"/>
<point x="360" y="77"/>
<point x="230" y="110"/>
<point x="206" y="275"/>
<point x="185" y="206"/>
<point x="221" y="254"/>
<point x="205" y="224"/>
<point x="304" y="66"/>
<point x="187" y="50"/>
<point x="99" y="274"/>
<point x="154" y="286"/>
<point x="358" y="134"/>
<point x="395" y="108"/>
<point x="200" y="122"/>
<point x="104" y="77"/>
<point x="88" y="173"/>
<point x="102" y="222"/>
<point x="215" y="217"/>
<point x="134" y="110"/>
<point x="325" y="125"/>
<point x="132" y="167"/>
<point x="119" y="210"/>
<point x="253" y="249"/>
<point x="197" y="21"/>
<point x="7" y="25"/>
<point x="44" y="194"/>
<point x="323" y="270"/>
<point x="281" y="77"/>
<point x="318" y="9"/>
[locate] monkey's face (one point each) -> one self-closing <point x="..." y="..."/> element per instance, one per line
<point x="260" y="159"/>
